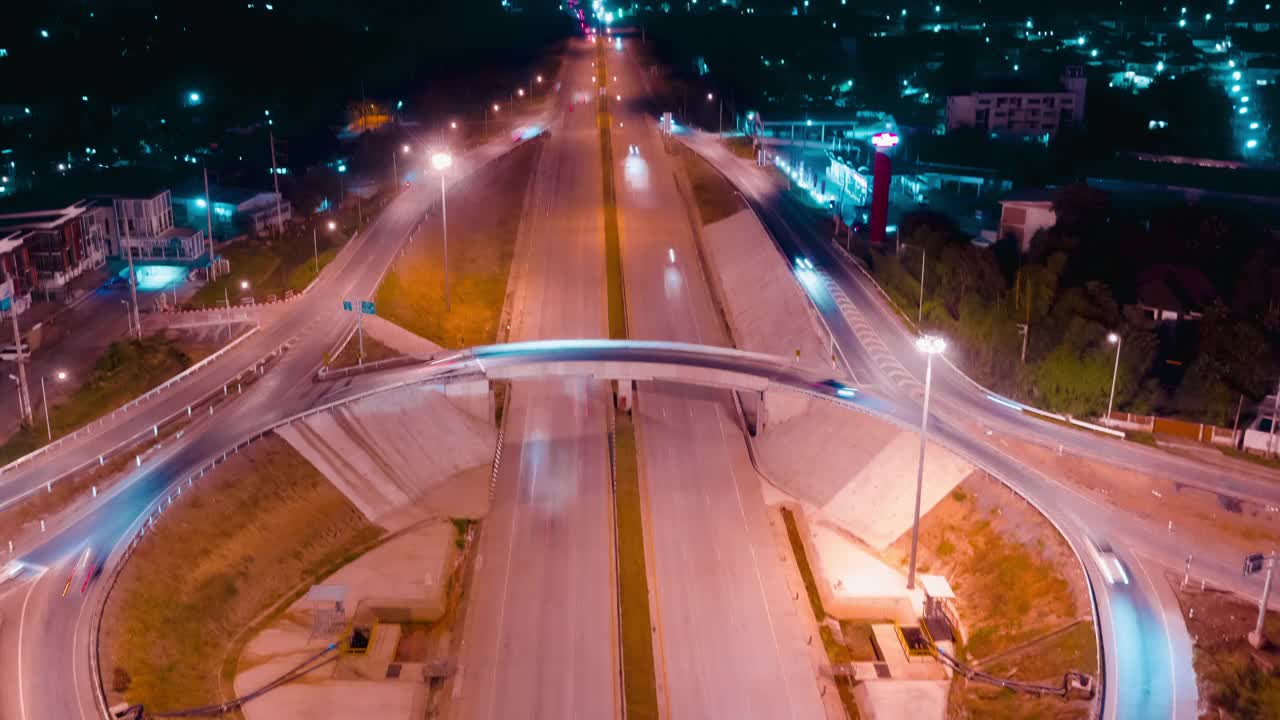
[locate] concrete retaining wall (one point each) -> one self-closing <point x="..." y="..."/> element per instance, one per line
<point x="402" y="456"/>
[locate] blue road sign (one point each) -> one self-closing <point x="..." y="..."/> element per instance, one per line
<point x="366" y="307"/>
<point x="5" y="304"/>
<point x="346" y="305"/>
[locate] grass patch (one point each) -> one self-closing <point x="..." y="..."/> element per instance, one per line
<point x="373" y="352"/>
<point x="835" y="649"/>
<point x="484" y="217"/>
<point x="612" y="248"/>
<point x="640" y="693"/>
<point x="125" y="370"/>
<point x="802" y="558"/>
<point x="273" y="266"/>
<point x="1272" y="463"/>
<point x="716" y="198"/>
<point x="254" y="531"/>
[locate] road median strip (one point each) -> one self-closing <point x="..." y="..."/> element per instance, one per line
<point x="640" y="695"/>
<point x="612" y="247"/>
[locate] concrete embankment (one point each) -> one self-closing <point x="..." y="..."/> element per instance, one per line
<point x="403" y="456"/>
<point x="857" y="471"/>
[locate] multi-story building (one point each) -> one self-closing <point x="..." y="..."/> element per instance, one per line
<point x="62" y="244"/>
<point x="18" y="276"/>
<point x="144" y="227"/>
<point x="235" y="211"/>
<point x="1011" y="108"/>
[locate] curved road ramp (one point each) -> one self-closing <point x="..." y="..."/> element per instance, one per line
<point x="400" y="457"/>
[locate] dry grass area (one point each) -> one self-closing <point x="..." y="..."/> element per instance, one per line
<point x="484" y="218"/>
<point x="257" y="531"/>
<point x="1243" y="525"/>
<point x="714" y="195"/>
<point x="373" y="352"/>
<point x="1016" y="580"/>
<point x="1234" y="680"/>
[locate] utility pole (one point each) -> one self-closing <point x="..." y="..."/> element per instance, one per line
<point x="226" y="300"/>
<point x="212" y="274"/>
<point x="924" y="252"/>
<point x="275" y="180"/>
<point x="395" y="172"/>
<point x="24" y="398"/>
<point x="315" y="250"/>
<point x="133" y="281"/>
<point x="1275" y="418"/>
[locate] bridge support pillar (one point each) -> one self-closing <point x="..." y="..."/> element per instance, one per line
<point x="623" y="395"/>
<point x="753" y="410"/>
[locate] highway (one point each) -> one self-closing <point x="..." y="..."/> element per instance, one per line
<point x="1147" y="658"/>
<point x="541" y="632"/>
<point x="730" y="644"/>
<point x="45" y="636"/>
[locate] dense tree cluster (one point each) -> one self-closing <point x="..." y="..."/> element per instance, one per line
<point x="1080" y="281"/>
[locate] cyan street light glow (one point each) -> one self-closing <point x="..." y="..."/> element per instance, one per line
<point x="1251" y="144"/>
<point x="194" y="98"/>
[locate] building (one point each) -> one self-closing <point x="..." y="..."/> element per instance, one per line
<point x="145" y="227"/>
<point x="62" y="244"/>
<point x="18" y="277"/>
<point x="1171" y="293"/>
<point x="1023" y="214"/>
<point x="1011" y="108"/>
<point x="235" y="212"/>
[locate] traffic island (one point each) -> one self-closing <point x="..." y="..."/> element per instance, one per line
<point x="262" y="527"/>
<point x="1234" y="678"/>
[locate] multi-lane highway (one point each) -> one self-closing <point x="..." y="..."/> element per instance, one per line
<point x="540" y="636"/>
<point x="729" y="642"/>
<point x="44" y="641"/>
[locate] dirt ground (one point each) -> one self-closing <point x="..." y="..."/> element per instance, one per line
<point x="350" y="353"/>
<point x="484" y="218"/>
<point x="1241" y="524"/>
<point x="1016" y="580"/>
<point x="1232" y="676"/>
<point x="257" y="530"/>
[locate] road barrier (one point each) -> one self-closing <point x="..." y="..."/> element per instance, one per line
<point x="87" y="429"/>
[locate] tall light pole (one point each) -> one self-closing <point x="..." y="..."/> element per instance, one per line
<point x="24" y="397"/>
<point x="442" y="161"/>
<point x="1114" y="339"/>
<point x="924" y="252"/>
<point x="494" y="107"/>
<point x="44" y="398"/>
<point x="930" y="345"/>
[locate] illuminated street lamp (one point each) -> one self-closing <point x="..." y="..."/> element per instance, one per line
<point x="487" y="109"/>
<point x="930" y="345"/>
<point x="59" y="376"/>
<point x="244" y="284"/>
<point x="1114" y="339"/>
<point x="442" y="161"/>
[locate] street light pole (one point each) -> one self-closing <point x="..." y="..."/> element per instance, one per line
<point x="1116" y="340"/>
<point x="442" y="161"/>
<point x="930" y="346"/>
<point x="315" y="249"/>
<point x="44" y="398"/>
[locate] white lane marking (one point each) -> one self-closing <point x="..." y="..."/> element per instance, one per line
<point x="22" y="625"/>
<point x="755" y="561"/>
<point x="506" y="571"/>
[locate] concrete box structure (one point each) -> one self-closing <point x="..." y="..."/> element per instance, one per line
<point x="1022" y="215"/>
<point x="18" y="277"/>
<point x="144" y="227"/>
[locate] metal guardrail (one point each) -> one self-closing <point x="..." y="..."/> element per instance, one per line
<point x="87" y="429"/>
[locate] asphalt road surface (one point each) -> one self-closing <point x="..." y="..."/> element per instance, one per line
<point x="541" y="634"/>
<point x="729" y="642"/>
<point x="45" y="636"/>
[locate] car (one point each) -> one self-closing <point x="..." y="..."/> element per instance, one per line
<point x="10" y="352"/>
<point x="633" y="149"/>
<point x="803" y="263"/>
<point x="1105" y="558"/>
